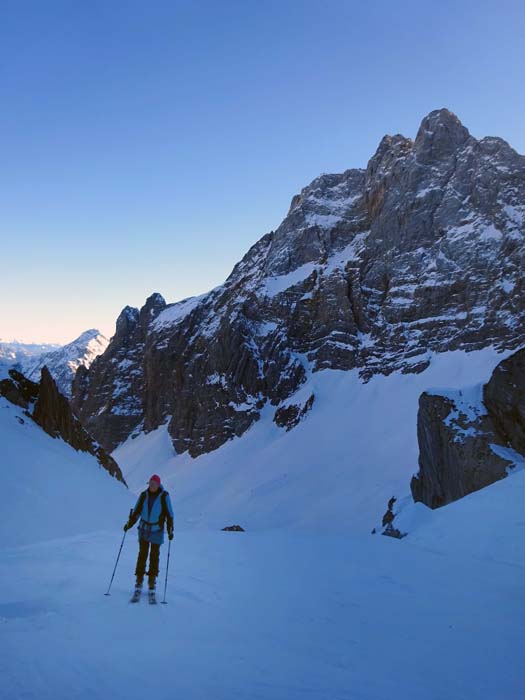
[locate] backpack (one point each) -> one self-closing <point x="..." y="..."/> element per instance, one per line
<point x="164" y="512"/>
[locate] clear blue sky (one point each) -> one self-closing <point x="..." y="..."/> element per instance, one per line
<point x="144" y="146"/>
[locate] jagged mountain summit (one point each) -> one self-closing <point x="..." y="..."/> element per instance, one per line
<point x="64" y="361"/>
<point x="422" y="251"/>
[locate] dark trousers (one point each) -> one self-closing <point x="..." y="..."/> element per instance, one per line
<point x="140" y="569"/>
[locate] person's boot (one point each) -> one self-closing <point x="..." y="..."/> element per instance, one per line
<point x="138" y="590"/>
<point x="151" y="589"/>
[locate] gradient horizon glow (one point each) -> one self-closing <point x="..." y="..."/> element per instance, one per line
<point x="146" y="146"/>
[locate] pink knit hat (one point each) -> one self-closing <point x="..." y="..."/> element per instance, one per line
<point x="156" y="478"/>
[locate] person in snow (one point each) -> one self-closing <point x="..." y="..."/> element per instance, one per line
<point x="154" y="508"/>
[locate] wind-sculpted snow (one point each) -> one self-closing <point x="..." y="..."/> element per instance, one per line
<point x="371" y="269"/>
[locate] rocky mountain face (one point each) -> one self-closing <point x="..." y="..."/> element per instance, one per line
<point x="109" y="396"/>
<point x="64" y="361"/>
<point x="371" y="269"/>
<point x="469" y="438"/>
<point x="44" y="404"/>
<point x="504" y="397"/>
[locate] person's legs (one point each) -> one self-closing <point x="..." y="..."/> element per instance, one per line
<point x="141" y="560"/>
<point x="153" y="564"/>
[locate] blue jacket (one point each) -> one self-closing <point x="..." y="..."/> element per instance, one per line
<point x="151" y="525"/>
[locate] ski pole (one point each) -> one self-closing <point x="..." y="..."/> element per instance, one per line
<point x="167" y="567"/>
<point x="118" y="557"/>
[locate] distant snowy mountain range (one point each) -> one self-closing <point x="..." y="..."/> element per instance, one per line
<point x="61" y="360"/>
<point x="14" y="352"/>
<point x="64" y="361"/>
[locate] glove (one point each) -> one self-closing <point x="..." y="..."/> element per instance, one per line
<point x="126" y="527"/>
<point x="170" y="533"/>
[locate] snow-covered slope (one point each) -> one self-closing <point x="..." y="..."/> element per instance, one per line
<point x="276" y="615"/>
<point x="64" y="362"/>
<point x="485" y="525"/>
<point x="50" y="489"/>
<point x="335" y="471"/>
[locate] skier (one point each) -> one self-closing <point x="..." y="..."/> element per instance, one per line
<point x="153" y="506"/>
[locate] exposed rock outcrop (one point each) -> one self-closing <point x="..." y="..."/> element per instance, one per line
<point x="504" y="397"/>
<point x="233" y="528"/>
<point x="18" y="389"/>
<point x="466" y="437"/>
<point x="290" y="415"/>
<point x="51" y="411"/>
<point x="112" y="397"/>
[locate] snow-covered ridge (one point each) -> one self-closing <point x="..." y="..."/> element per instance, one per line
<point x="64" y="362"/>
<point x="13" y="351"/>
<point x="175" y="313"/>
